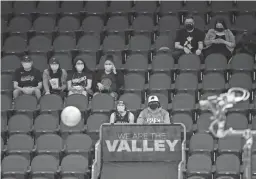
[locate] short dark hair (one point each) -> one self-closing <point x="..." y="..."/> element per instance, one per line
<point x="189" y="16"/>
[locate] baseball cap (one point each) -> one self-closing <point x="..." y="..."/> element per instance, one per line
<point x="153" y="99"/>
<point x="26" y="59"/>
<point x="54" y="60"/>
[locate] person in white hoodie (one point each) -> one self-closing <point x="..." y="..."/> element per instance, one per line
<point x="154" y="113"/>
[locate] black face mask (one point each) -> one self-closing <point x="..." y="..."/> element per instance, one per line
<point x="189" y="27"/>
<point x="219" y="29"/>
<point x="153" y="106"/>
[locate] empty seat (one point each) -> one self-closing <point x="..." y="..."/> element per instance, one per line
<point x="120" y="7"/>
<point x="44" y="24"/>
<point x="96" y="7"/>
<point x="189" y="62"/>
<point x="132" y="101"/>
<point x="164" y="42"/>
<point x="75" y="164"/>
<point x="245" y="22"/>
<point x="48" y="7"/>
<point x="145" y="7"/>
<point x="136" y="63"/>
<point x="25" y="103"/>
<point x="102" y="103"/>
<point x="19" y="24"/>
<point x="227" y="163"/>
<point x="117" y="23"/>
<point x="247" y="6"/>
<point x="10" y="63"/>
<point x="196" y="6"/>
<point x="72" y="7"/>
<point x="39" y="61"/>
<point x="46" y="123"/>
<point x="226" y="17"/>
<point x="143" y="23"/>
<point x="203" y="122"/>
<point x="113" y="43"/>
<point x="44" y="165"/>
<point x="201" y="142"/>
<point x="242" y="61"/>
<point x="139" y="43"/>
<point x="213" y="81"/>
<point x="170" y="7"/>
<point x="40" y="43"/>
<point x="168" y="23"/>
<point x="162" y="62"/>
<point x="231" y="144"/>
<point x="6" y="82"/>
<point x="6" y="7"/>
<point x="199" y="164"/>
<point x="199" y="22"/>
<point x="79" y="144"/>
<point x="68" y="23"/>
<point x="186" y="81"/>
<point x="242" y="80"/>
<point x="215" y="62"/>
<point x="24" y="7"/>
<point x="183" y="102"/>
<point x="218" y="6"/>
<point x="50" y="144"/>
<point x="6" y="103"/>
<point x="20" y="123"/>
<point x="134" y="82"/>
<point x="51" y="102"/>
<point x="15" y="44"/>
<point x="65" y="60"/>
<point x="159" y="81"/>
<point x="3" y="25"/>
<point x="89" y="59"/>
<point x="64" y="43"/>
<point x="17" y="165"/>
<point x="185" y="119"/>
<point x="77" y="100"/>
<point x="237" y="121"/>
<point x="20" y="144"/>
<point x="89" y="43"/>
<point x="92" y="24"/>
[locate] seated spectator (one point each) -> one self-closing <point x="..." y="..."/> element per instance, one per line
<point x="54" y="78"/>
<point x="109" y="80"/>
<point x="246" y="43"/>
<point x="121" y="114"/>
<point x="188" y="40"/>
<point x="27" y="79"/>
<point x="219" y="40"/>
<point x="80" y="80"/>
<point x="154" y="113"/>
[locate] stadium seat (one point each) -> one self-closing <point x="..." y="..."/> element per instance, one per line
<point x="64" y="43"/>
<point x="136" y="63"/>
<point x="170" y="7"/>
<point x="6" y="82"/>
<point x="89" y="59"/>
<point x="196" y="6"/>
<point x="45" y="123"/>
<point x="89" y="43"/>
<point x="228" y="164"/>
<point x="117" y="59"/>
<point x="44" y="165"/>
<point x="163" y="62"/>
<point x="242" y="62"/>
<point x="68" y="23"/>
<point x="40" y="43"/>
<point x="186" y="82"/>
<point x="164" y="42"/>
<point x="216" y="62"/>
<point x="183" y="102"/>
<point x="245" y="22"/>
<point x="19" y="24"/>
<point x="120" y="7"/>
<point x="79" y="101"/>
<point x="246" y="6"/>
<point x="160" y="82"/>
<point x="113" y="43"/>
<point x="26" y="7"/>
<point x="213" y="82"/>
<point x="226" y="17"/>
<point x="3" y="26"/>
<point x="96" y="7"/>
<point x="3" y="148"/>
<point x="6" y="7"/>
<point x="65" y="60"/>
<point x="134" y="82"/>
<point x="102" y="103"/>
<point x="117" y="23"/>
<point x="16" y="166"/>
<point x="74" y="165"/>
<point x="72" y="7"/>
<point x="92" y="24"/>
<point x="143" y="23"/>
<point x="230" y="144"/>
<point x="80" y="144"/>
<point x="26" y="104"/>
<point x="217" y="6"/>
<point x="20" y="144"/>
<point x="20" y="123"/>
<point x="168" y="23"/>
<point x="15" y="44"/>
<point x="189" y="62"/>
<point x="132" y="101"/>
<point x="242" y="80"/>
<point x="6" y="103"/>
<point x="201" y="142"/>
<point x="185" y="119"/>
<point x="51" y="103"/>
<point x="199" y="164"/>
<point x="139" y="43"/>
<point x="237" y="121"/>
<point x="10" y="63"/>
<point x="4" y="127"/>
<point x="50" y="144"/>
<point x="48" y="7"/>
<point x="44" y="23"/>
<point x="203" y="122"/>
<point x="39" y="61"/>
<point x="145" y="7"/>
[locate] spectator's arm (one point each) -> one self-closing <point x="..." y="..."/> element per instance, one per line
<point x="64" y="80"/>
<point x="167" y="118"/>
<point x="131" y="118"/>
<point x="231" y="40"/>
<point x="15" y="80"/>
<point x="69" y="85"/>
<point x="89" y="84"/>
<point x="45" y="81"/>
<point x="140" y="119"/>
<point x="208" y="41"/>
<point x="112" y="118"/>
<point x="16" y="85"/>
<point x="178" y="46"/>
<point x="200" y="45"/>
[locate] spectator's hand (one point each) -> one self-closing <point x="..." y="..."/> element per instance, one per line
<point x="114" y="69"/>
<point x="100" y="86"/>
<point x="198" y="52"/>
<point x="221" y="41"/>
<point x="186" y="50"/>
<point x="47" y="92"/>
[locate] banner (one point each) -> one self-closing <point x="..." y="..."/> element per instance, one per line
<point x="141" y="143"/>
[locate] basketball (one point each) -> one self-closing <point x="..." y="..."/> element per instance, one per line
<point x="71" y="116"/>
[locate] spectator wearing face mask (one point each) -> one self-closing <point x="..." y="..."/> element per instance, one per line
<point x="54" y="78"/>
<point x="80" y="80"/>
<point x="188" y="40"/>
<point x="219" y="40"/>
<point x="154" y="113"/>
<point x="109" y="80"/>
<point x="121" y="114"/>
<point x="27" y="79"/>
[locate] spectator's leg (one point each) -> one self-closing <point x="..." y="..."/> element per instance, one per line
<point x="176" y="54"/>
<point x="96" y="93"/>
<point x="37" y="92"/>
<point x="84" y="93"/>
<point x="16" y="93"/>
<point x="70" y="93"/>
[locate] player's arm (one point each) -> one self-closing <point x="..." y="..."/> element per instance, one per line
<point x="131" y="118"/>
<point x="112" y="118"/>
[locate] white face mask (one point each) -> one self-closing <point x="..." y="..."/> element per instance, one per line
<point x="120" y="108"/>
<point x="108" y="66"/>
<point x="79" y="67"/>
<point x="54" y="67"/>
<point x="27" y="65"/>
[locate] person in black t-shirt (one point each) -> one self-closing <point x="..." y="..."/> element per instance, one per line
<point x="109" y="81"/>
<point x="27" y="79"/>
<point x="121" y="115"/>
<point x="188" y="40"/>
<point x="80" y="80"/>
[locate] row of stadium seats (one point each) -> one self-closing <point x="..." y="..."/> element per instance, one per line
<point x="93" y="7"/>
